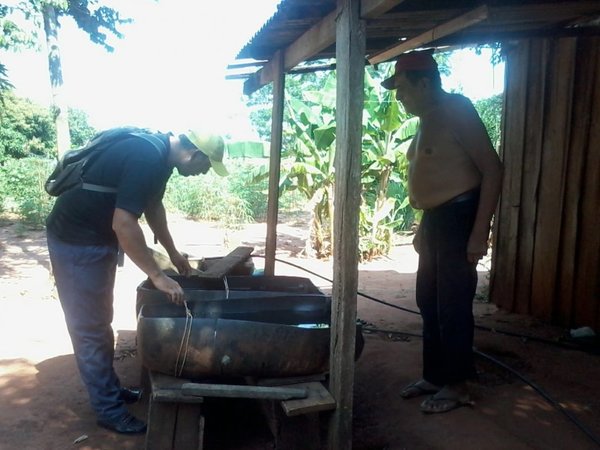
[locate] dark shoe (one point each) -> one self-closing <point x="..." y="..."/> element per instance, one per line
<point x="125" y="424"/>
<point x="129" y="395"/>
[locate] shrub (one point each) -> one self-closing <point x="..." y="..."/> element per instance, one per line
<point x="22" y="189"/>
<point x="207" y="197"/>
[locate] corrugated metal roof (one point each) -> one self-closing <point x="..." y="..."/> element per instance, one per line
<point x="508" y="19"/>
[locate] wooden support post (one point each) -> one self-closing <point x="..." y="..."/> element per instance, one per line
<point x="275" y="162"/>
<point x="350" y="56"/>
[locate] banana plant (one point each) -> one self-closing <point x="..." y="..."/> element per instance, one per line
<point x="311" y="122"/>
<point x="387" y="132"/>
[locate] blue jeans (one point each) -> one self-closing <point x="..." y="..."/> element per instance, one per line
<point x="446" y="284"/>
<point x="85" y="278"/>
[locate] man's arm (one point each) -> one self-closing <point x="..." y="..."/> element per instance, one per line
<point x="476" y="141"/>
<point x="157" y="220"/>
<point x="131" y="238"/>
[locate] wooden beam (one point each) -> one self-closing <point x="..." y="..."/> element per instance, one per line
<point x="243" y="391"/>
<point x="371" y="9"/>
<point x="350" y="54"/>
<point x="317" y="38"/>
<point x="452" y="26"/>
<point x="274" y="163"/>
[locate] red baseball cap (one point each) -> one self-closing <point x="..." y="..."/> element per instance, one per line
<point x="418" y="60"/>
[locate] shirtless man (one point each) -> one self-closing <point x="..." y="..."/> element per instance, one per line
<point x="454" y="176"/>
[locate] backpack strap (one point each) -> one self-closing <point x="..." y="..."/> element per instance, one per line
<point x="99" y="188"/>
<point x="156" y="142"/>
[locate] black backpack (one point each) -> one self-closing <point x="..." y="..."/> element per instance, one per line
<point x="70" y="170"/>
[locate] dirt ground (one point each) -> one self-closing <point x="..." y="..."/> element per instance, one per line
<point x="43" y="405"/>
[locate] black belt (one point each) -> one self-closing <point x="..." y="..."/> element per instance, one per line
<point x="465" y="196"/>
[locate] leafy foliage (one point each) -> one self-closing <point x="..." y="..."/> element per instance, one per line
<point x="95" y="22"/>
<point x="207" y="197"/>
<point x="490" y="111"/>
<point x="22" y="189"/>
<point x="81" y="130"/>
<point x="25" y="129"/>
<point x="308" y="162"/>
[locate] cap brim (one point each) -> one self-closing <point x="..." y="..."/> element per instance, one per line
<point x="219" y="168"/>
<point x="389" y="82"/>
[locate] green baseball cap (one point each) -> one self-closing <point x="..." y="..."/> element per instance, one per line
<point x="213" y="146"/>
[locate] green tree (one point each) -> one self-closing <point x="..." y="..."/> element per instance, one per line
<point x="26" y="129"/>
<point x="81" y="130"/>
<point x="5" y="85"/>
<point x="95" y="20"/>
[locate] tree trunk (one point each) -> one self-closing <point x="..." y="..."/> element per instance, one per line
<point x="60" y="108"/>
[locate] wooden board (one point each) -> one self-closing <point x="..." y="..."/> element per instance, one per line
<point x="506" y="221"/>
<point x="552" y="181"/>
<point x="243" y="391"/>
<point x="225" y="265"/>
<point x="166" y="388"/>
<point x="530" y="172"/>
<point x="318" y="399"/>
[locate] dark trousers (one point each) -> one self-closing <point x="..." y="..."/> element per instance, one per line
<point x="85" y="278"/>
<point x="446" y="284"/>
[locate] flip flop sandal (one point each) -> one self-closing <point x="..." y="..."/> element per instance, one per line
<point x="435" y="405"/>
<point x="417" y="390"/>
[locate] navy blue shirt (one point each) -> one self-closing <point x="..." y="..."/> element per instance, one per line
<point x="136" y="168"/>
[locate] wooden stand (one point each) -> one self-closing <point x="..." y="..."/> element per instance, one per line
<point x="295" y="423"/>
<point x="175" y="420"/>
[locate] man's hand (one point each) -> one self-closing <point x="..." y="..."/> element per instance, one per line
<point x="170" y="287"/>
<point x="476" y="248"/>
<point x="182" y="264"/>
<point x="418" y="240"/>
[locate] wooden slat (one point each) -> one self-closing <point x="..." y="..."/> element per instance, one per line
<point x="162" y="418"/>
<point x="577" y="152"/>
<point x="288" y="380"/>
<point x="350" y="51"/>
<point x="452" y="26"/>
<point x="318" y="399"/>
<point x="507" y="221"/>
<point x="551" y="190"/>
<point x="275" y="163"/>
<point x="242" y="391"/>
<point x="530" y="172"/>
<point x="189" y="429"/>
<point x="587" y="281"/>
<point x="226" y="264"/>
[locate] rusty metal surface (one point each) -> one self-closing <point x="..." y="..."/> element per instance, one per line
<point x="264" y="337"/>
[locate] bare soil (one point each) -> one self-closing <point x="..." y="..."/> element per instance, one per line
<point x="43" y="405"/>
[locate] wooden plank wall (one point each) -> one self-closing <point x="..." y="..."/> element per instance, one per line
<point x="547" y="231"/>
